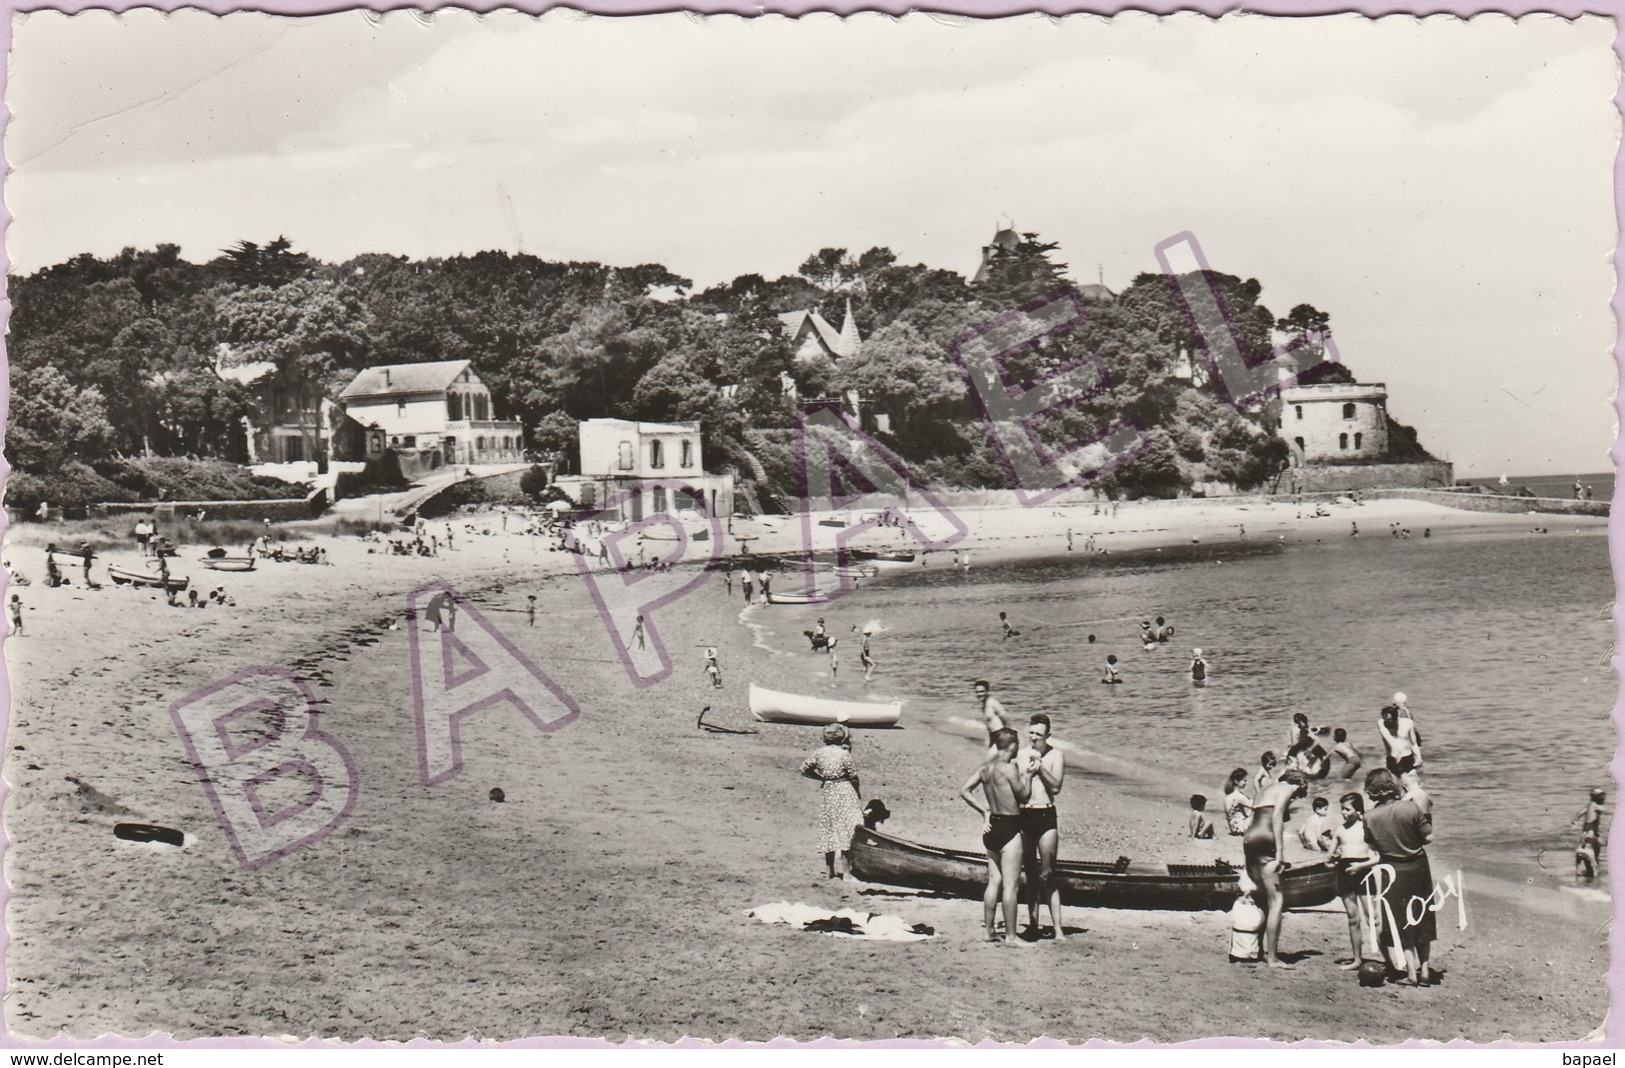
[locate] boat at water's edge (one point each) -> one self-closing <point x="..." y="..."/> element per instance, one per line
<point x="881" y="858"/>
<point x="772" y="706"/>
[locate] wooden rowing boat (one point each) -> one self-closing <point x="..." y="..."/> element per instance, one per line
<point x="881" y="858"/>
<point x="794" y="598"/>
<point x="125" y="576"/>
<point x="859" y="571"/>
<point x="229" y="563"/>
<point x="873" y="554"/>
<point x="771" y="706"/>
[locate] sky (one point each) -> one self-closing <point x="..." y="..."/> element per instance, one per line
<point x="1443" y="188"/>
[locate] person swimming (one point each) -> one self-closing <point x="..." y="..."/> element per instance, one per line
<point x="1009" y="631"/>
<point x="1111" y="671"/>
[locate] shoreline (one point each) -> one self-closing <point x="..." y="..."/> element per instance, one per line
<point x="737" y="829"/>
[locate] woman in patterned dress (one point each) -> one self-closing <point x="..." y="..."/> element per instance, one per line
<point x="840" y="808"/>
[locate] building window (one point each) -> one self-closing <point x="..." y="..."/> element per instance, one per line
<point x="400" y="409"/>
<point x="1358" y="439"/>
<point x="411" y="441"/>
<point x="625" y="461"/>
<point x="660" y="499"/>
<point x="688" y="453"/>
<point x="1298" y="442"/>
<point x="1342" y="441"/>
<point x="589" y="495"/>
<point x="454" y="407"/>
<point x="657" y="456"/>
<point x="1299" y="407"/>
<point x="394" y="441"/>
<point x="1348" y="411"/>
<point x="482" y="406"/>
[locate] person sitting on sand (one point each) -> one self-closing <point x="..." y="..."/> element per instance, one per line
<point x="1200" y="825"/>
<point x="1316" y="831"/>
<point x="1005" y="787"/>
<point x="993" y="715"/>
<point x="1238" y="807"/>
<point x="1349" y="855"/>
<point x="1263" y="847"/>
<point x="1345" y="751"/>
<point x="1587" y="856"/>
<point x="1111" y="678"/>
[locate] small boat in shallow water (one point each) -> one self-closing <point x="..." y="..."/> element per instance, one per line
<point x="771" y="706"/>
<point x="892" y="557"/>
<point x="1120" y="884"/>
<point x="794" y="598"/>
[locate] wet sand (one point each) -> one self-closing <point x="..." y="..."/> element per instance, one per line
<point x="606" y="896"/>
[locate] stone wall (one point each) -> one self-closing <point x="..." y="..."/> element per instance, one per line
<point x="277" y="510"/>
<point x="1334" y="478"/>
<point x="1495" y="502"/>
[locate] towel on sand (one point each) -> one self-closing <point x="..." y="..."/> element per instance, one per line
<point x="848" y="923"/>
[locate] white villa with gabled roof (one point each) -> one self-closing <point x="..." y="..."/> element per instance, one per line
<point x="431" y="407"/>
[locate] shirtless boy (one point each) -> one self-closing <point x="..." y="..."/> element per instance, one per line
<point x="1005" y="786"/>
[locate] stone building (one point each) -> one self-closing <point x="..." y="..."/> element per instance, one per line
<point x="1335" y="422"/>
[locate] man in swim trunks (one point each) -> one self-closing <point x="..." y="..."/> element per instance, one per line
<point x="992" y="712"/>
<point x="1041" y="834"/>
<point x="1588" y="856"/>
<point x="1005" y="787"/>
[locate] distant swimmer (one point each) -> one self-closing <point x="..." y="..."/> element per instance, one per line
<point x="1354" y="530"/>
<point x="1148" y="637"/>
<point x="1198" y="668"/>
<point x="1009" y="631"/>
<point x="1111" y="678"/>
<point x="1427" y="532"/>
<point x="1588" y="855"/>
<point x="1344" y="750"/>
<point x="1091" y="639"/>
<point x="992" y="712"/>
<point x="1164" y="630"/>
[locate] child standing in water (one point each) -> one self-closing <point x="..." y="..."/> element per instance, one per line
<point x="1198" y="668"/>
<point x="1588" y="857"/>
<point x="1111" y="671"/>
<point x="1009" y="631"/>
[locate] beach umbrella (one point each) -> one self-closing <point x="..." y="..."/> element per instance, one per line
<point x="560" y="507"/>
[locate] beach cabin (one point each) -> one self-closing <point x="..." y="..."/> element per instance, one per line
<point x="624" y="463"/>
<point x="1335" y="422"/>
<point x="440" y="407"/>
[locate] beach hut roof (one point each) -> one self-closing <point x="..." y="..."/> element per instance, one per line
<point x="387" y="381"/>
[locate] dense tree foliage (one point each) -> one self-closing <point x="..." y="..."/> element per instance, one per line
<point x="133" y="355"/>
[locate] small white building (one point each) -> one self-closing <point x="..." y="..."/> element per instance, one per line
<point x="620" y="456"/>
<point x="1335" y="422"/>
<point x="431" y="407"/>
<point x="813" y="338"/>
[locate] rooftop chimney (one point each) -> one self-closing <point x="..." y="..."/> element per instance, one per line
<point x="386" y="376"/>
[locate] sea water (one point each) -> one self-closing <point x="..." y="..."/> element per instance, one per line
<point x="1501" y="640"/>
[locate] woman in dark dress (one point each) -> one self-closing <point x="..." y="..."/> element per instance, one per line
<point x="1398" y="831"/>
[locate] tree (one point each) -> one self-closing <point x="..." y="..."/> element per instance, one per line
<point x="314" y="332"/>
<point x="54" y="421"/>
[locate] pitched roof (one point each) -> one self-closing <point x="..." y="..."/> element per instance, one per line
<point x="247" y="373"/>
<point x="399" y="378"/>
<point x="834" y="340"/>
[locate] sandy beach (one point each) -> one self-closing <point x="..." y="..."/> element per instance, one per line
<point x="606" y="896"/>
